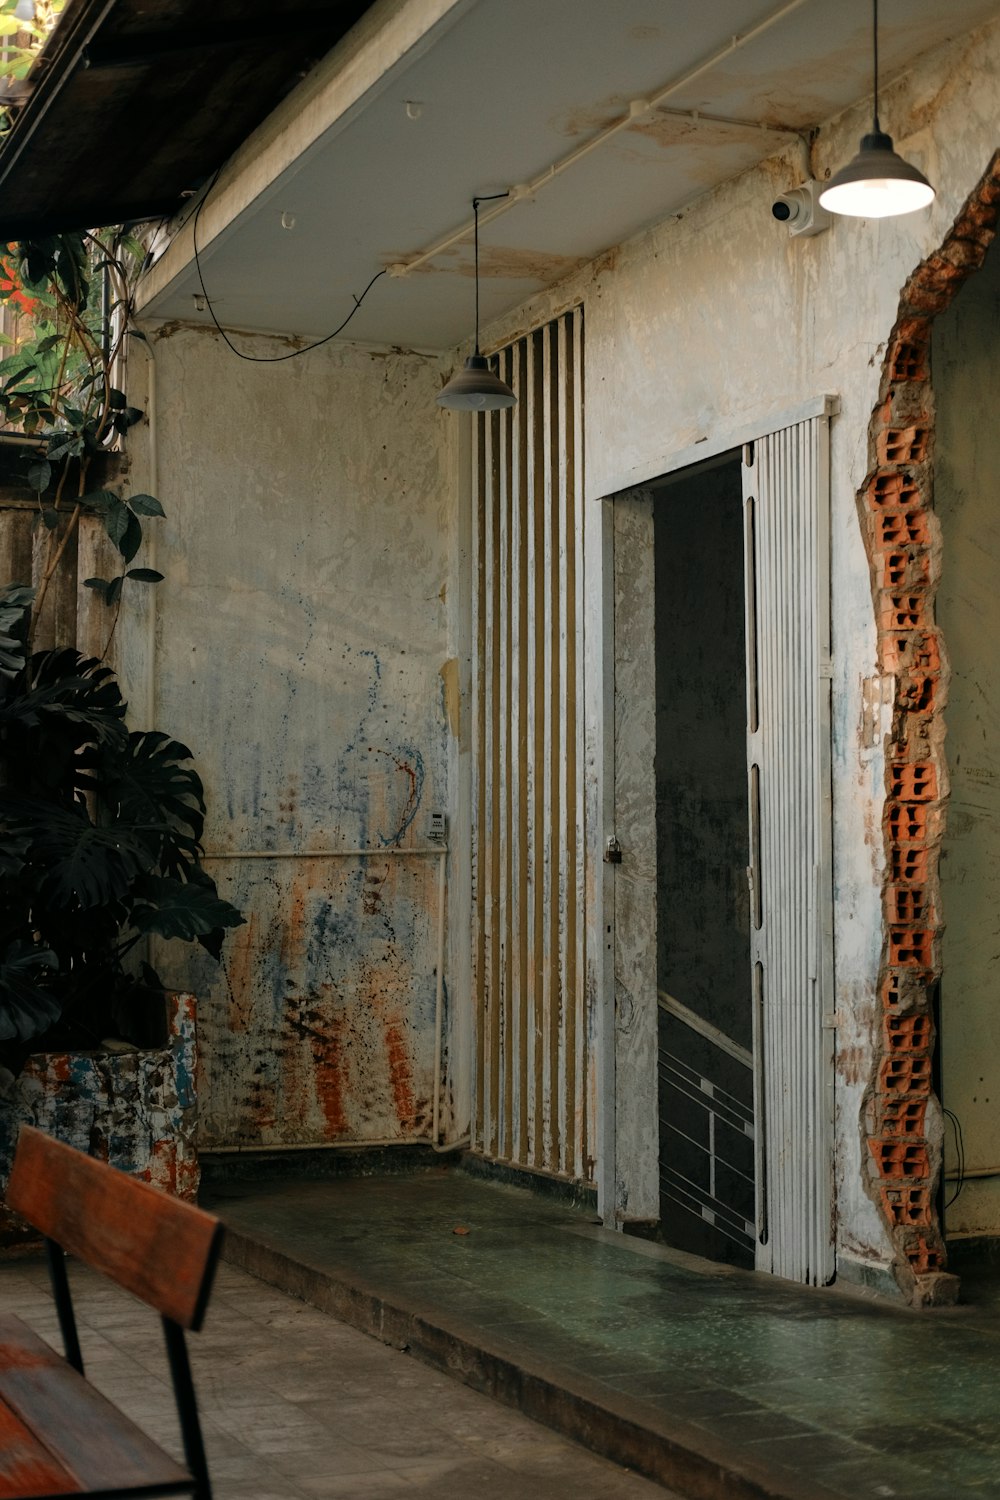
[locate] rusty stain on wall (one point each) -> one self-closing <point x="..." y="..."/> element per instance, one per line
<point x="318" y="585"/>
<point x="451" y="693"/>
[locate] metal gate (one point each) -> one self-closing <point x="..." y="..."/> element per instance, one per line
<point x="786" y="508"/>
<point x="533" y="1066"/>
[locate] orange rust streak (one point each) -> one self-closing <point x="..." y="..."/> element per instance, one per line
<point x="400" y="1073"/>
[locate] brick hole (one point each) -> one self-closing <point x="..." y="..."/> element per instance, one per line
<point x="892" y="488"/>
<point x="910" y="948"/>
<point x="907" y="1033"/>
<point x="915" y="782"/>
<point x="908" y="362"/>
<point x="899" y="1159"/>
<point x="906" y="445"/>
<point x="907" y="1205"/>
<point x="910" y="865"/>
<point x="907" y="824"/>
<point x="904" y="1116"/>
<point x="905" y="611"/>
<point x="917" y="695"/>
<point x="923" y="1258"/>
<point x="908" y="904"/>
<point x="894" y="527"/>
<point x="906" y="1075"/>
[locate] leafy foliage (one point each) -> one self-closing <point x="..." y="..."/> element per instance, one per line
<point x="69" y="300"/>
<point x="100" y="843"/>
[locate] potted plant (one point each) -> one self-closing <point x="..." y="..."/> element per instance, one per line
<point x="100" y="825"/>
<point x="100" y="849"/>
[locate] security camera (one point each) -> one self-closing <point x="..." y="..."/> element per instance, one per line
<point x="801" y="210"/>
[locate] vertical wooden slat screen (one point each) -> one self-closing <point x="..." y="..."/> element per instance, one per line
<point x="786" y="491"/>
<point x="532" y="1074"/>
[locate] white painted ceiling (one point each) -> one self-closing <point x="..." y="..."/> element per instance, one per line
<point x="505" y="88"/>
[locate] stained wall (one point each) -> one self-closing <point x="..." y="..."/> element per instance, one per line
<point x="300" y="646"/>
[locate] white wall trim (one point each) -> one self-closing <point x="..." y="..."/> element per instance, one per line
<point x="645" y="473"/>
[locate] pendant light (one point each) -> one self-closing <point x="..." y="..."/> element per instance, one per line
<point x="877" y="184"/>
<point x="475" y="387"/>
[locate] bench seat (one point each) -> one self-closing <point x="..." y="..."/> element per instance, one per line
<point x="88" y="1447"/>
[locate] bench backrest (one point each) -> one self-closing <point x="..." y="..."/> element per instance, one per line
<point x="160" y="1249"/>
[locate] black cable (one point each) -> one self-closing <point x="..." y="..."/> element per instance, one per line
<point x="875" y="57"/>
<point x="265" y="359"/>
<point x="960" y="1152"/>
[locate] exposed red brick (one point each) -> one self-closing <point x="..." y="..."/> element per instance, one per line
<point x="913" y="783"/>
<point x="907" y="361"/>
<point x="899" y="1116"/>
<point x="906" y="824"/>
<point x="900" y="1159"/>
<point x="907" y="1205"/>
<point x="906" y="1075"/>
<point x="910" y="947"/>
<point x="909" y="863"/>
<point x="895" y="504"/>
<point x="907" y="1033"/>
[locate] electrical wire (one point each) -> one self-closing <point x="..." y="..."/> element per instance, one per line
<point x="960" y="1152"/>
<point x="265" y="359"/>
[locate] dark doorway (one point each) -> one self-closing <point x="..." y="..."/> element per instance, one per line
<point x="703" y="908"/>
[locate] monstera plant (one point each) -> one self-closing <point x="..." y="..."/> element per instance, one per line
<point x="100" y="831"/>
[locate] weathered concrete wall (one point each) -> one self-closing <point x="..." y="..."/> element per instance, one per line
<point x="300" y="648"/>
<point x="966" y="379"/>
<point x="717" y="321"/>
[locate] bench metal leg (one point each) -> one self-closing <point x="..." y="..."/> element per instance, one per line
<point x="187" y="1407"/>
<point x="64" y="1303"/>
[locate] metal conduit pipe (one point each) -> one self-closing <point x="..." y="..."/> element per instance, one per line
<point x="441" y="851"/>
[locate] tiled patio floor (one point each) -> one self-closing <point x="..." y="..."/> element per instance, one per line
<point x="689" y="1370"/>
<point x="297" y="1405"/>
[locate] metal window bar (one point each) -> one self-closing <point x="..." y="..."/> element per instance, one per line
<point x="709" y="1150"/>
<point x="533" y="1073"/>
<point x="708" y="1208"/>
<point x="704" y="1089"/>
<point x="723" y="1109"/>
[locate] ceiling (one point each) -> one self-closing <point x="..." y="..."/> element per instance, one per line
<point x="134" y="103"/>
<point x="491" y="96"/>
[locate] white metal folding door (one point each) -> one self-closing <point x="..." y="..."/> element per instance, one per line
<point x="533" y="1077"/>
<point x="787" y="505"/>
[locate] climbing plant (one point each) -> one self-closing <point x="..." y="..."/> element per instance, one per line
<point x="70" y="301"/>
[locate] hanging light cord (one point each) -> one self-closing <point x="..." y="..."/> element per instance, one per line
<point x="486" y="198"/>
<point x="275" y="359"/>
<point x="878" y="128"/>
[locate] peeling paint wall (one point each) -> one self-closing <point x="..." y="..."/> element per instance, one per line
<point x="301" y="647"/>
<point x="715" y="322"/>
<point x="136" y="1110"/>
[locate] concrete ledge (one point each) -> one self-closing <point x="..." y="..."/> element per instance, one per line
<point x="628" y="1431"/>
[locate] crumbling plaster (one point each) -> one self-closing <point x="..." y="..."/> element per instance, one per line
<point x="717" y="319"/>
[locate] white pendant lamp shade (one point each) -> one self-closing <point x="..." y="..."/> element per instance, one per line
<point x="877" y="184"/>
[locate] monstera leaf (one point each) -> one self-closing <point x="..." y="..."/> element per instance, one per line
<point x="147" y="788"/>
<point x="26" y="1009"/>
<point x="14" y="603"/>
<point x="76" y="864"/>
<point x="183" y="909"/>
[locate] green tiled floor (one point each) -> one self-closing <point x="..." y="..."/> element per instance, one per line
<point x="814" y="1392"/>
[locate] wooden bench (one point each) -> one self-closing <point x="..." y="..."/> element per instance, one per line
<point x="58" y="1435"/>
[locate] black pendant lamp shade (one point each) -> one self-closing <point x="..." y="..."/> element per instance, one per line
<point x="475" y="387"/>
<point x="877" y="183"/>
